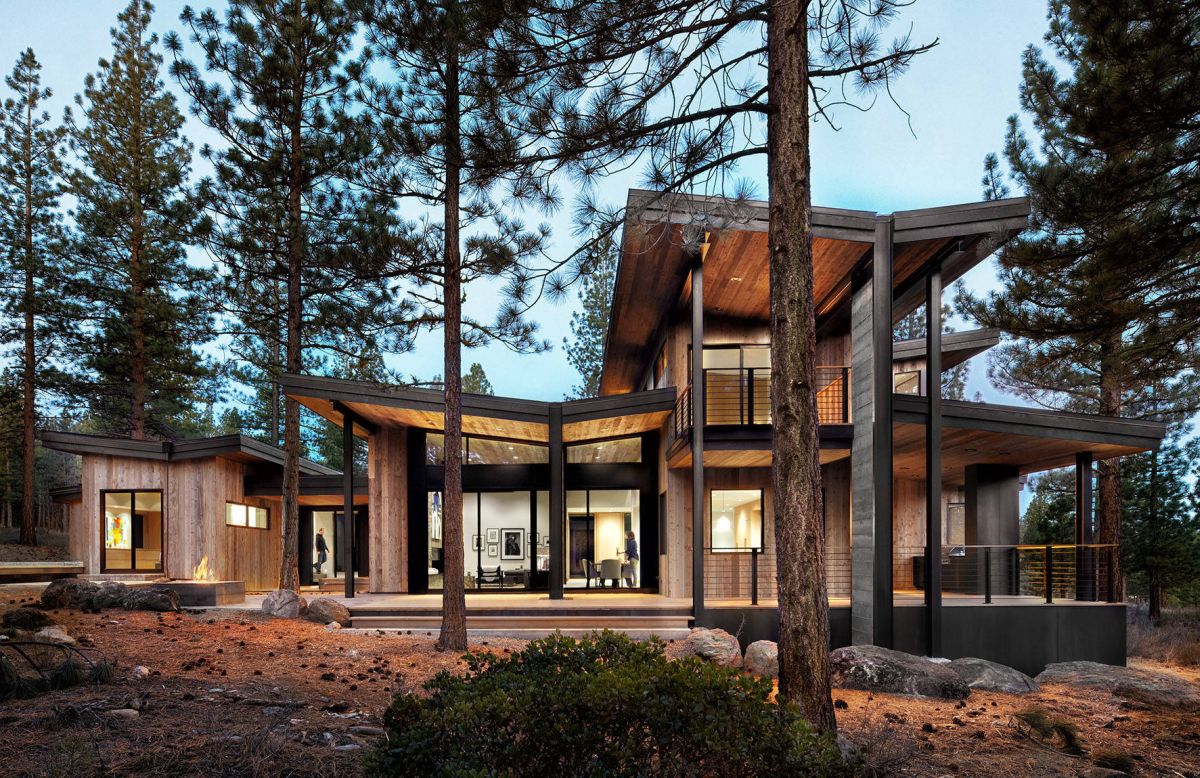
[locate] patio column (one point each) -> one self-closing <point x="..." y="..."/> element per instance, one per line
<point x="557" y="502"/>
<point x="697" y="383"/>
<point x="1085" y="585"/>
<point x="933" y="461"/>
<point x="348" y="499"/>
<point x="881" y="322"/>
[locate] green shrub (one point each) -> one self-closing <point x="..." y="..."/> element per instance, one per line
<point x="600" y="706"/>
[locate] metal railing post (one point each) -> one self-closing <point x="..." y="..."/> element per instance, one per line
<point x="754" y="576"/>
<point x="1049" y="573"/>
<point x="1108" y="596"/>
<point x="845" y="395"/>
<point x="987" y="575"/>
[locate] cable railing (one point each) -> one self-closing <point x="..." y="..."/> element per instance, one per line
<point x="748" y="576"/>
<point x="742" y="396"/>
<point x="1047" y="572"/>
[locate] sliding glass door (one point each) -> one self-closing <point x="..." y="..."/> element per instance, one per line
<point x="132" y="532"/>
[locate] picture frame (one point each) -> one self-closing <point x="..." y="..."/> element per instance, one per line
<point x="512" y="543"/>
<point x="493" y="550"/>
<point x="493" y="535"/>
<point x="476" y="543"/>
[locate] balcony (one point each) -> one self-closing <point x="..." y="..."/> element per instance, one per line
<point x="742" y="397"/>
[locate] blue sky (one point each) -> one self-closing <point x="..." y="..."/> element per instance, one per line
<point x="958" y="97"/>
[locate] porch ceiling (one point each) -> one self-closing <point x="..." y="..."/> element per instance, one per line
<point x="744" y="458"/>
<point x="662" y="234"/>
<point x="1032" y="440"/>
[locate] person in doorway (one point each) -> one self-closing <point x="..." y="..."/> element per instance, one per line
<point x="322" y="549"/>
<point x="631" y="559"/>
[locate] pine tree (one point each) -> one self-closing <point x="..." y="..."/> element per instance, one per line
<point x="291" y="237"/>
<point x="37" y="311"/>
<point x="133" y="218"/>
<point x="1050" y="516"/>
<point x="445" y="128"/>
<point x="1161" y="545"/>
<point x="1102" y="296"/>
<point x="589" y="323"/>
<point x="695" y="88"/>
<point x="476" y="381"/>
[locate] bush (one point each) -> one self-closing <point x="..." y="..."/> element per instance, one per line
<point x="603" y="705"/>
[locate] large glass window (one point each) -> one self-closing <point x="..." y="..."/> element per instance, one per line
<point x="606" y="452"/>
<point x="133" y="531"/>
<point x="506" y="541"/>
<point x="736" y="519"/>
<point x="603" y="538"/>
<point x="486" y="451"/>
<point x="239" y="515"/>
<point x="907" y="382"/>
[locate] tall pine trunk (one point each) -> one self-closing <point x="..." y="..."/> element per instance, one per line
<point x="137" y="323"/>
<point x="1108" y="475"/>
<point x="795" y="464"/>
<point x="28" y="379"/>
<point x="453" y="635"/>
<point x="289" y="564"/>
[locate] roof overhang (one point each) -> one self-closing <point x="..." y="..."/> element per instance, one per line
<point x="957" y="347"/>
<point x="238" y="448"/>
<point x="661" y="241"/>
<point x="507" y="418"/>
<point x="1028" y="439"/>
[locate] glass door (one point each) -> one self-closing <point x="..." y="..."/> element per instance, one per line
<point x="132" y="532"/>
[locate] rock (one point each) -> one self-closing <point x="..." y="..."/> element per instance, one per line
<point x="53" y="635"/>
<point x="109" y="594"/>
<point x="26" y="618"/>
<point x="284" y="604"/>
<point x="121" y="714"/>
<point x="1128" y="683"/>
<point x="69" y="593"/>
<point x="716" y="646"/>
<point x="762" y="658"/>
<point x="332" y="626"/>
<point x="875" y="669"/>
<point x="141" y="671"/>
<point x="363" y="730"/>
<point x="161" y="600"/>
<point x="992" y="677"/>
<point x="347" y="747"/>
<point x="324" y="610"/>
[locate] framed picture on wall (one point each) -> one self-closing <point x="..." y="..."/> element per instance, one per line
<point x="493" y="535"/>
<point x="476" y="543"/>
<point x="512" y="544"/>
<point x="493" y="550"/>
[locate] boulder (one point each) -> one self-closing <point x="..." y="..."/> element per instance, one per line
<point x="875" y="669"/>
<point x="325" y="610"/>
<point x="26" y="618"/>
<point x="716" y="646"/>
<point x="762" y="658"/>
<point x="1129" y="683"/>
<point x="161" y="600"/>
<point x="53" y="635"/>
<point x="69" y="593"/>
<point x="109" y="594"/>
<point x="992" y="677"/>
<point x="284" y="604"/>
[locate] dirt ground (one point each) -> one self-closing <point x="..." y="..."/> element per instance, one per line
<point x="232" y="693"/>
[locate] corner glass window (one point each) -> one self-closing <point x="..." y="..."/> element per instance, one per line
<point x="736" y="519"/>
<point x="624" y="450"/>
<point x="132" y="531"/>
<point x="239" y="515"/>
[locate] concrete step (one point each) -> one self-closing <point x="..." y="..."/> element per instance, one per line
<point x="339" y="584"/>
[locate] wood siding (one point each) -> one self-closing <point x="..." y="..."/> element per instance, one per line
<point x="387" y="556"/>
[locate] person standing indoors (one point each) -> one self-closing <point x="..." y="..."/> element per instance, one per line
<point x="631" y="559"/>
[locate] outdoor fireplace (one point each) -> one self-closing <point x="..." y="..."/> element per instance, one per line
<point x="202" y="590"/>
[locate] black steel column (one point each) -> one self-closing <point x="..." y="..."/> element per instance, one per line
<point x="1085" y="588"/>
<point x="933" y="461"/>
<point x="881" y="322"/>
<point x="557" y="502"/>
<point x="697" y="372"/>
<point x="348" y="499"/>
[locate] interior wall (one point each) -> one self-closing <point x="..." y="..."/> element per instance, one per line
<point x="497" y="511"/>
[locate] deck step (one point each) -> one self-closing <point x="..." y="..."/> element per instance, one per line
<point x="541" y="622"/>
<point x="361" y="584"/>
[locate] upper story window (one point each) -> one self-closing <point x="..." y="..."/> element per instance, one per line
<point x="486" y="451"/>
<point x="239" y="515"/>
<point x="907" y="382"/>
<point x="737" y="357"/>
<point x="624" y="450"/>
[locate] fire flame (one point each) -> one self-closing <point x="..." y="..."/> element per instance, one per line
<point x="201" y="572"/>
